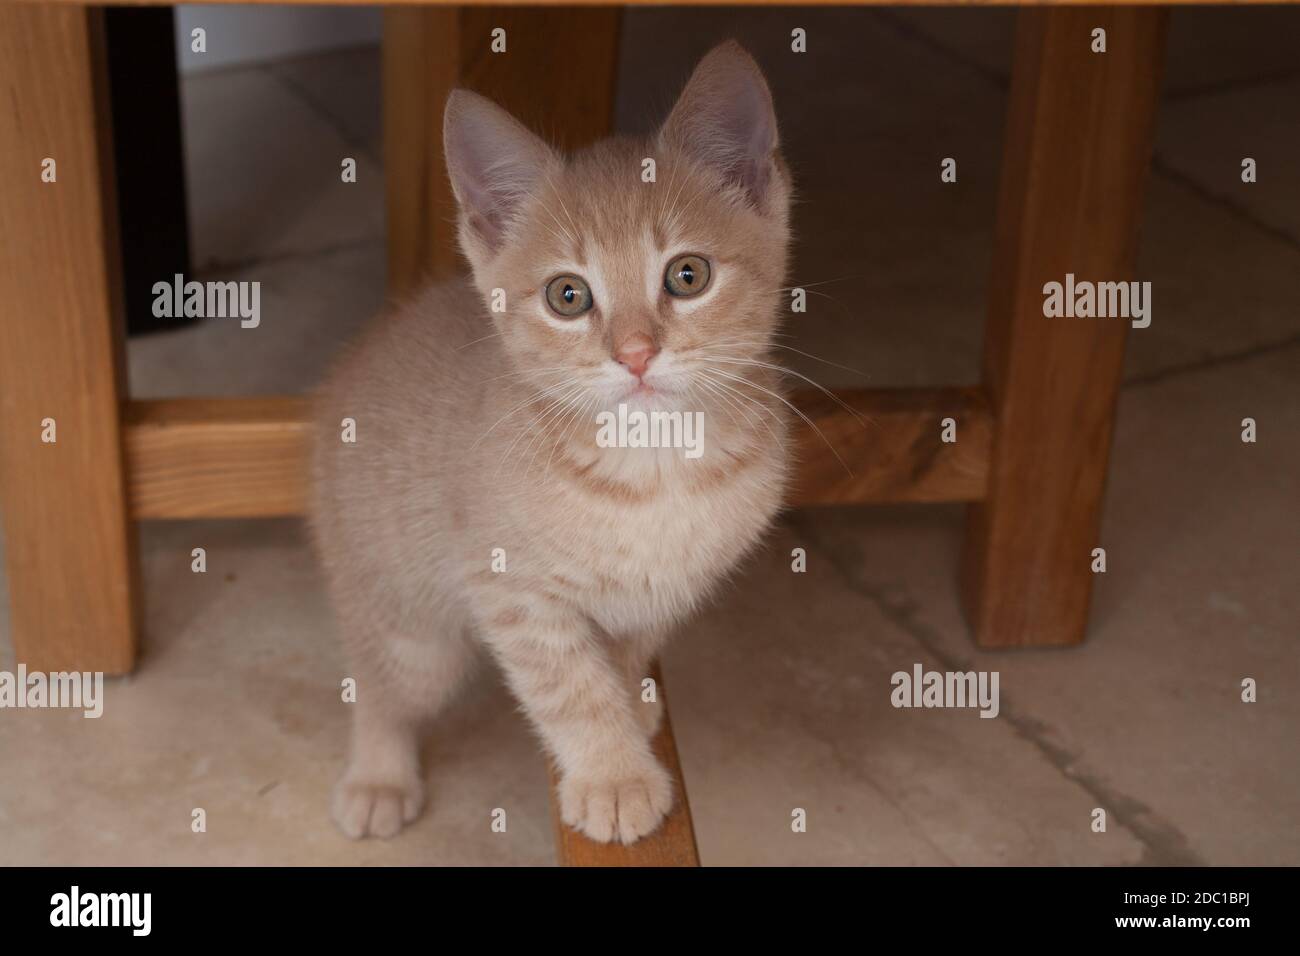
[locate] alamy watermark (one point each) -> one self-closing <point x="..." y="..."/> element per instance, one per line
<point x="209" y="300"/>
<point x="75" y="908"/>
<point x="634" y="428"/>
<point x="1102" y="300"/>
<point x="922" y="688"/>
<point x="75" y="690"/>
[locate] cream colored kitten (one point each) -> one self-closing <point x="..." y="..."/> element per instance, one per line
<point x="476" y="503"/>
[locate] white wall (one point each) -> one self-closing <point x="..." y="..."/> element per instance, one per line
<point x="247" y="34"/>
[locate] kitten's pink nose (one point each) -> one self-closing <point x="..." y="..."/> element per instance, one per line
<point x="636" y="352"/>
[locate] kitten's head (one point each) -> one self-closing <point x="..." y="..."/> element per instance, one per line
<point x="618" y="287"/>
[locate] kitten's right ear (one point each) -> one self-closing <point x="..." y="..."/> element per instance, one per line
<point x="494" y="163"/>
<point x="725" y="118"/>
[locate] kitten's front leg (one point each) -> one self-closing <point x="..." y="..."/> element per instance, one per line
<point x="635" y="655"/>
<point x="575" y="692"/>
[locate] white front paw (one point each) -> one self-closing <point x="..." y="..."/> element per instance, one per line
<point x="623" y="808"/>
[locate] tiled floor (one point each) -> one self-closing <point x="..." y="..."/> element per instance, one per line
<point x="780" y="693"/>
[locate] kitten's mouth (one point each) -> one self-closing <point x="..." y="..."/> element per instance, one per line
<point x="641" y="390"/>
<point x="646" y="397"/>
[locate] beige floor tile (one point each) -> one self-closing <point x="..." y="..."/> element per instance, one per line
<point x="1199" y="531"/>
<point x="263" y="174"/>
<point x="310" y="305"/>
<point x="1202" y="140"/>
<point x="1219" y="285"/>
<point x="236" y="709"/>
<point x="344" y="86"/>
<point x="781" y="699"/>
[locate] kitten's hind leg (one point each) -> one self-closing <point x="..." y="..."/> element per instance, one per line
<point x="401" y="684"/>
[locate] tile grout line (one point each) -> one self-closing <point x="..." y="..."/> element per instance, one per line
<point x="1232" y="86"/>
<point x="915" y="35"/>
<point x="1161" y="168"/>
<point x="272" y="70"/>
<point x="1212" y="362"/>
<point x="297" y="90"/>
<point x="218" y="266"/>
<point x="1163" y="844"/>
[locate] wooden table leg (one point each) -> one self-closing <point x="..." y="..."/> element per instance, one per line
<point x="1077" y="148"/>
<point x="69" y="545"/>
<point x="427" y="52"/>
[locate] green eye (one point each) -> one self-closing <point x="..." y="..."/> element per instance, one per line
<point x="687" y="275"/>
<point x="568" y="296"/>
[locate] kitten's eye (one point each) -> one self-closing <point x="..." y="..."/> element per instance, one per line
<point x="568" y="296"/>
<point x="687" y="275"/>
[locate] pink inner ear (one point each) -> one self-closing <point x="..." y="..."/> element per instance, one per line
<point x="493" y="162"/>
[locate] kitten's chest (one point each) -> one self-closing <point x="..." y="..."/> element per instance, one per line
<point x="648" y="565"/>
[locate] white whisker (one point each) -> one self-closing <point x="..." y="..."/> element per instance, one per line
<point x="807" y="420"/>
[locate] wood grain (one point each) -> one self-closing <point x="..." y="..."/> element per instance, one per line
<point x="217" y="458"/>
<point x="893" y="450"/>
<point x="428" y="52"/>
<point x="1078" y="143"/>
<point x="70" y="552"/>
<point x="421" y="65"/>
<point x="673" y="844"/>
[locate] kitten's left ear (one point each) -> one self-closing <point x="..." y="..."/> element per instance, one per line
<point x="725" y="119"/>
